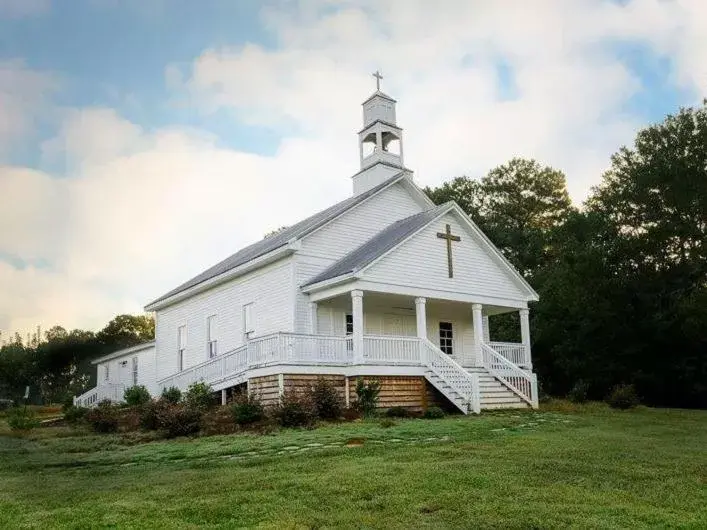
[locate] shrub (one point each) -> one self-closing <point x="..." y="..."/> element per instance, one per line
<point x="387" y="422"/>
<point x="397" y="412"/>
<point x="623" y="397"/>
<point x="22" y="419"/>
<point x="579" y="392"/>
<point x="351" y="414"/>
<point x="218" y="421"/>
<point x="367" y="396"/>
<point x="434" y="413"/>
<point x="74" y="415"/>
<point x="296" y="409"/>
<point x="136" y="395"/>
<point x="247" y="409"/>
<point x="327" y="401"/>
<point x="151" y="412"/>
<point x="179" y="420"/>
<point x="200" y="396"/>
<point x="104" y="417"/>
<point x="172" y="394"/>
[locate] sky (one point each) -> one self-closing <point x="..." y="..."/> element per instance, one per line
<point x="142" y="141"/>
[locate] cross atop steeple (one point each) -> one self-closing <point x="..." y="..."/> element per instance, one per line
<point x="378" y="77"/>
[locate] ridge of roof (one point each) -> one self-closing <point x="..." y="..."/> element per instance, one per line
<point x="378" y="245"/>
<point x="278" y="240"/>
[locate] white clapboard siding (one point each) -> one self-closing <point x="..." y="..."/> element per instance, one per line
<point x="361" y="223"/>
<point x="422" y="262"/>
<point x="123" y="374"/>
<point x="270" y="290"/>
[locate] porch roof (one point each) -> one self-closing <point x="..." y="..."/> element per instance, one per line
<point x="378" y="245"/>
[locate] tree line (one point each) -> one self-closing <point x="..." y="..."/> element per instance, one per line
<point x="58" y="366"/>
<point x="623" y="279"/>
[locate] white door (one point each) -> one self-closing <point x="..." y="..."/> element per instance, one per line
<point x="399" y="325"/>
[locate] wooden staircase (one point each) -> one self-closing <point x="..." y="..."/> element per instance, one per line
<point x="494" y="394"/>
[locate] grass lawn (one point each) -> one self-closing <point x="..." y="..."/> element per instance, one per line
<point x="583" y="467"/>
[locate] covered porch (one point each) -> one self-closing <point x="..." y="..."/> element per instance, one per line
<point x="384" y="325"/>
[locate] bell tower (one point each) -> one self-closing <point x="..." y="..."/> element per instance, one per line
<point x="380" y="142"/>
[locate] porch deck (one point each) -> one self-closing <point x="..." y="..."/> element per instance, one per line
<point x="388" y="354"/>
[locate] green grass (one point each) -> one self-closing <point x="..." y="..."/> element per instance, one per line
<point x="565" y="466"/>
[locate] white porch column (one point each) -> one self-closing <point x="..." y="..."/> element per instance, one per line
<point x="357" y="313"/>
<point x="421" y="314"/>
<point x="313" y="317"/>
<point x="478" y="332"/>
<point x="525" y="334"/>
<point x="487" y="330"/>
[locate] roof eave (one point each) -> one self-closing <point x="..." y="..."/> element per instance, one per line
<point x="261" y="261"/>
<point x="125" y="351"/>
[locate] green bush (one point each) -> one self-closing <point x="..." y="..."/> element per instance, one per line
<point x="151" y="412"/>
<point x="172" y="394"/>
<point x="579" y="392"/>
<point x="296" y="409"/>
<point x="397" y="412"/>
<point x="200" y="396"/>
<point x="327" y="401"/>
<point x="247" y="409"/>
<point x="22" y="419"/>
<point x="74" y="415"/>
<point x="433" y="413"/>
<point x="623" y="397"/>
<point x="367" y="396"/>
<point x="104" y="417"/>
<point x="179" y="420"/>
<point x="136" y="395"/>
<point x="387" y="422"/>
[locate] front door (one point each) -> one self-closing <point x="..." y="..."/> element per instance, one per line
<point x="399" y="325"/>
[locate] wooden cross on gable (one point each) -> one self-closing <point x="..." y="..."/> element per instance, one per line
<point x="449" y="237"/>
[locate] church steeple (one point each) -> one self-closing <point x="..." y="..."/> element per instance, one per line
<point x="380" y="141"/>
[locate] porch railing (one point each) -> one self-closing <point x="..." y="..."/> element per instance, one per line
<point x="391" y="349"/>
<point x="451" y="372"/>
<point x="514" y="352"/>
<point x="111" y="391"/>
<point x="523" y="383"/>
<point x="271" y="349"/>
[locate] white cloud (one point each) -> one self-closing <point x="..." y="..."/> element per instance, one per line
<point x="23" y="98"/>
<point x="142" y="210"/>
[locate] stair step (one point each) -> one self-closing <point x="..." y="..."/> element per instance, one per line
<point x="521" y="405"/>
<point x="505" y="399"/>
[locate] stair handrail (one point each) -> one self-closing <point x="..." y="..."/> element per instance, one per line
<point x="521" y="382"/>
<point x="462" y="382"/>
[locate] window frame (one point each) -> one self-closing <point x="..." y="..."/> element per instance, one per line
<point x="135" y="371"/>
<point x="348" y="323"/>
<point x="446" y="337"/>
<point x="211" y="341"/>
<point x="248" y="320"/>
<point x="181" y="346"/>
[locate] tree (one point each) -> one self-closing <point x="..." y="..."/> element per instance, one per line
<point x="127" y="330"/>
<point x="464" y="191"/>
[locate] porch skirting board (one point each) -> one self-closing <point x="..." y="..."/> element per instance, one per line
<point x="411" y="392"/>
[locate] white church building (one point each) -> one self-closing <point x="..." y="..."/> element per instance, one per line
<point x="384" y="284"/>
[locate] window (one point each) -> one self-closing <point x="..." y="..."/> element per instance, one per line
<point x="349" y="324"/>
<point x="446" y="338"/>
<point x="248" y="324"/>
<point x="106" y="375"/>
<point x="134" y="371"/>
<point x="181" y="346"/>
<point x="211" y="344"/>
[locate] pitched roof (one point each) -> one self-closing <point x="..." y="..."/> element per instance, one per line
<point x="278" y="240"/>
<point x="378" y="245"/>
<point x="124" y="351"/>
